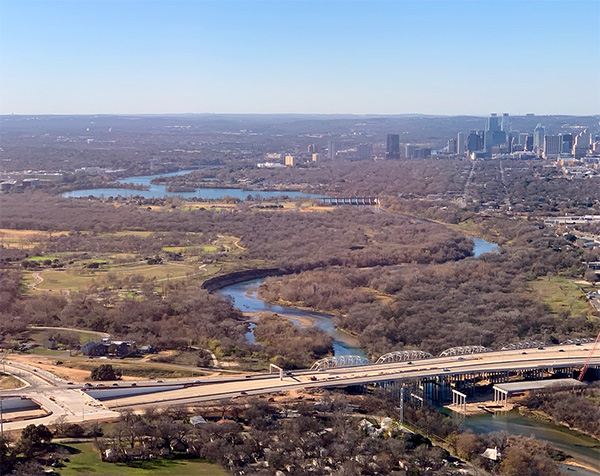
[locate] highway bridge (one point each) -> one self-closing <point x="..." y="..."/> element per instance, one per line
<point x="435" y="376"/>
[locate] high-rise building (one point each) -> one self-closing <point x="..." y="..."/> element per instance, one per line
<point x="538" y="137"/>
<point x="523" y="138"/>
<point x="581" y="145"/>
<point x="363" y="151"/>
<point x="473" y="142"/>
<point x="460" y="144"/>
<point x="289" y="160"/>
<point x="409" y="151"/>
<point x="529" y="143"/>
<point x="505" y="125"/>
<point x="551" y="147"/>
<point x="331" y="150"/>
<point x="393" y="146"/>
<point x="316" y="157"/>
<point x="566" y="143"/>
<point x="451" y="146"/>
<point x="493" y="123"/>
<point x="312" y="148"/>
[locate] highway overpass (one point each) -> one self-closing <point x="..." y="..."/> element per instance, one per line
<point x="79" y="403"/>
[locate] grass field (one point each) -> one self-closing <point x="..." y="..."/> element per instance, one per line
<point x="77" y="279"/>
<point x="85" y="460"/>
<point x="560" y="294"/>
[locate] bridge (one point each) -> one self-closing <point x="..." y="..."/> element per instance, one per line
<point x="433" y="378"/>
<point x="356" y="201"/>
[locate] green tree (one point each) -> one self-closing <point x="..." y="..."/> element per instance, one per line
<point x="105" y="372"/>
<point x="33" y="437"/>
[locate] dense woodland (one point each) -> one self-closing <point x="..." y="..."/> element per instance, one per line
<point x="577" y="408"/>
<point x="473" y="301"/>
<point x="293" y="240"/>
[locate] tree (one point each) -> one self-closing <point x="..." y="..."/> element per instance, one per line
<point x="105" y="372"/>
<point x="33" y="437"/>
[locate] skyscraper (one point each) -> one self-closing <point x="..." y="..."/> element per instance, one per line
<point x="363" y="151"/>
<point x="566" y="143"/>
<point x="581" y="144"/>
<point x="451" y="146"/>
<point x="538" y="137"/>
<point x="493" y="123"/>
<point x="460" y="144"/>
<point x="551" y="147"/>
<point x="393" y="147"/>
<point x="332" y="152"/>
<point x="505" y="126"/>
<point x="473" y="142"/>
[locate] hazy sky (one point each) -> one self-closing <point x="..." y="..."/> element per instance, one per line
<point x="326" y="56"/>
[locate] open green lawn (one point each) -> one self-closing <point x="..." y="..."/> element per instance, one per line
<point x="560" y="293"/>
<point x="76" y="278"/>
<point x="85" y="461"/>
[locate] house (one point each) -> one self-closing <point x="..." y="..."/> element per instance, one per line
<point x="94" y="349"/>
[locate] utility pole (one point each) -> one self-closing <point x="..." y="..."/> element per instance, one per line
<point x="402" y="405"/>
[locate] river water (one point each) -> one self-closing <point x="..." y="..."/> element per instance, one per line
<point x="160" y="191"/>
<point x="245" y="297"/>
<point x="583" y="449"/>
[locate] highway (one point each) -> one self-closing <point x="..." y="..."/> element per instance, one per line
<point x="72" y="401"/>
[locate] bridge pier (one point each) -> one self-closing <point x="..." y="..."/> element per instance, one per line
<point x="459" y="400"/>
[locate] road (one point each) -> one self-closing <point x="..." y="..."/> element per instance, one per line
<point x="72" y="402"/>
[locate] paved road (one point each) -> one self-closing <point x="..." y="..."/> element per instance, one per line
<point x="72" y="402"/>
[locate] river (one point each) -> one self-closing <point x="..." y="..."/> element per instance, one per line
<point x="245" y="297"/>
<point x="582" y="448"/>
<point x="160" y="191"/>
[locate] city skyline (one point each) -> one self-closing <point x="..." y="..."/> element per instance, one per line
<point x="430" y="57"/>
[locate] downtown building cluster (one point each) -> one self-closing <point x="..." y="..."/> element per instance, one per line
<point x="498" y="140"/>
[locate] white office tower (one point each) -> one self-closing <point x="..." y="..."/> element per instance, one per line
<point x="460" y="144"/>
<point x="581" y="145"/>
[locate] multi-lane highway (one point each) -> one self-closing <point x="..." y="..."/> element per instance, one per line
<point x="76" y="405"/>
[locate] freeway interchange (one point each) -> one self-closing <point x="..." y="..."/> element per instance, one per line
<point x="79" y="403"/>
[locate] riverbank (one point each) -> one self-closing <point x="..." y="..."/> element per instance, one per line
<point x="539" y="415"/>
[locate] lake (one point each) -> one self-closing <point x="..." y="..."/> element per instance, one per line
<point x="160" y="191"/>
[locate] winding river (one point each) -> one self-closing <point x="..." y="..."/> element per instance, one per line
<point x="245" y="297"/>
<point x="583" y="449"/>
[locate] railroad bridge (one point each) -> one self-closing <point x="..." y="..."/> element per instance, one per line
<point x="355" y="201"/>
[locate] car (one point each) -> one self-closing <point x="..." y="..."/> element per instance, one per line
<point x="115" y="384"/>
<point x="446" y="369"/>
<point x="100" y="385"/>
<point x="289" y="374"/>
<point x="160" y="381"/>
<point x="197" y="381"/>
<point x="460" y="358"/>
<point x="541" y="347"/>
<point x="577" y="343"/>
<point x="313" y="378"/>
<point x="408" y="363"/>
<point x="69" y="383"/>
<point x="248" y="376"/>
<point x="524" y="353"/>
<point x="134" y="384"/>
<point x="87" y="385"/>
<point x="243" y="393"/>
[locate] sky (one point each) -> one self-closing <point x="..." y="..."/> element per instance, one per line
<point x="449" y="57"/>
